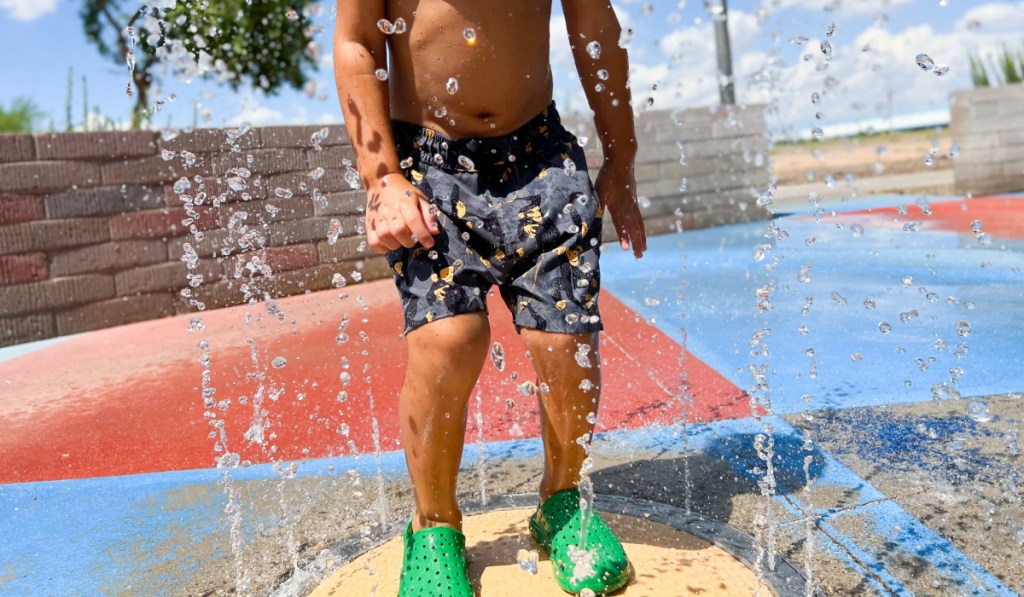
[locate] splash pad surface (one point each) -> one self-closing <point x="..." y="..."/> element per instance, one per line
<point x="664" y="555"/>
<point x="106" y="448"/>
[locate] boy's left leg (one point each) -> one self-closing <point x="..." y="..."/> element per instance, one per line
<point x="566" y="404"/>
<point x="599" y="563"/>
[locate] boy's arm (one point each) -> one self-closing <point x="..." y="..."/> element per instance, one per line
<point x="397" y="214"/>
<point x="588" y="22"/>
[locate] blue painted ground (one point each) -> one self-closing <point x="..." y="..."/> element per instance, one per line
<point x="950" y="278"/>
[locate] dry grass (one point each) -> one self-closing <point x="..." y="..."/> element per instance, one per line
<point x="904" y="152"/>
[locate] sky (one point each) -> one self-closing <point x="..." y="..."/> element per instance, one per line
<point x="872" y="71"/>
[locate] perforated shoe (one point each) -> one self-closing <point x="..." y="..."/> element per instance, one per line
<point x="434" y="564"/>
<point x="600" y="565"/>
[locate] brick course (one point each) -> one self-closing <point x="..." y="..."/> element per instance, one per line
<point x="94" y="145"/>
<point x="26" y="328"/>
<point x="44" y="235"/>
<point x="170" y="276"/>
<point x="102" y="200"/>
<point x="147" y="170"/>
<point x="159" y="223"/>
<point x="47" y="176"/>
<point x="108" y="257"/>
<point x="118" y="311"/>
<point x="278" y="258"/>
<point x="17" y="269"/>
<point x="209" y="141"/>
<point x="300" y="136"/>
<point x="21" y="208"/>
<point x="262" y="161"/>
<point x="52" y="294"/>
<point x="16" y="148"/>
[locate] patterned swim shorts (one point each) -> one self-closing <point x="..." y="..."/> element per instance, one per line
<point x="516" y="211"/>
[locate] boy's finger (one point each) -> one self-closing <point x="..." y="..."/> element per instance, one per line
<point x="373" y="239"/>
<point x="429" y="214"/>
<point x="417" y="227"/>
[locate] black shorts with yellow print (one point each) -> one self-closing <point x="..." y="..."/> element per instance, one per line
<point x="517" y="211"/>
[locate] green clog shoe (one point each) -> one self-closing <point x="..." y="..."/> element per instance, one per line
<point x="600" y="565"/>
<point x="434" y="564"/>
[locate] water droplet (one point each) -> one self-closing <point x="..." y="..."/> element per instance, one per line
<point x="940" y="70"/>
<point x="976" y="226"/>
<point x="498" y="356"/>
<point x="826" y="49"/>
<point x="815" y="98"/>
<point x="954" y="151"/>
<point x="381" y="74"/>
<point x="799" y="40"/>
<point x="279" y="362"/>
<point x="291" y="15"/>
<point x="385" y="26"/>
<point x="406" y="163"/>
<point x="884" y="327"/>
<point x="352" y="178"/>
<point x="594" y="50"/>
<point x="817" y="133"/>
<point x="907" y="316"/>
<point x="838" y="298"/>
<point x="569" y="166"/>
<point x="586" y="385"/>
<point x="582" y="350"/>
<point x="400" y="26"/>
<point x="338" y="280"/>
<point x="470" y="35"/>
<point x="333" y="232"/>
<point x="466" y="163"/>
<point x="869" y="303"/>
<point x="963" y="328"/>
<point x="432" y="254"/>
<point x="925" y="62"/>
<point x="978" y="411"/>
<point x="857" y="230"/>
<point x="452" y="86"/>
<point x="856" y="357"/>
<point x="527" y="560"/>
<point x="283" y="193"/>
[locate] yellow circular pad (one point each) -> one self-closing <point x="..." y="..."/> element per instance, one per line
<point x="666" y="562"/>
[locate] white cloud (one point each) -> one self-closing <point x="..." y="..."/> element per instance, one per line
<point x="258" y="114"/>
<point x="847" y="8"/>
<point x="28" y="10"/>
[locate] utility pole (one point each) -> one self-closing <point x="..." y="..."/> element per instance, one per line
<point x="719" y="12"/>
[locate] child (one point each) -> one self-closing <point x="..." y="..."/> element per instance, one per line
<point x="471" y="182"/>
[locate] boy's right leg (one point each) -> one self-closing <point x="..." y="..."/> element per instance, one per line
<point x="445" y="359"/>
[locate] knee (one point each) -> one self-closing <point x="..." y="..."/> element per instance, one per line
<point x="456" y="338"/>
<point x="559" y="343"/>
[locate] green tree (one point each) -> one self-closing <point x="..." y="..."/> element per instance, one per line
<point x="263" y="43"/>
<point x="19" y="116"/>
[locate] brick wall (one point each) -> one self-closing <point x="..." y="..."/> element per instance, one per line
<point x="97" y="229"/>
<point x="988" y="124"/>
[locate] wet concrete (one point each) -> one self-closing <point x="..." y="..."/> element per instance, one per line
<point x="961" y="477"/>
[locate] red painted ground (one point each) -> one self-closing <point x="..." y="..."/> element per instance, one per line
<point x="1000" y="216"/>
<point x="126" y="400"/>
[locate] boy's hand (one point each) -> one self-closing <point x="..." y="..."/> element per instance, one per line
<point x="398" y="215"/>
<point x="616" y="188"/>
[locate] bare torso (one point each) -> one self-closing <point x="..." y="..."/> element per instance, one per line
<point x="495" y="50"/>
